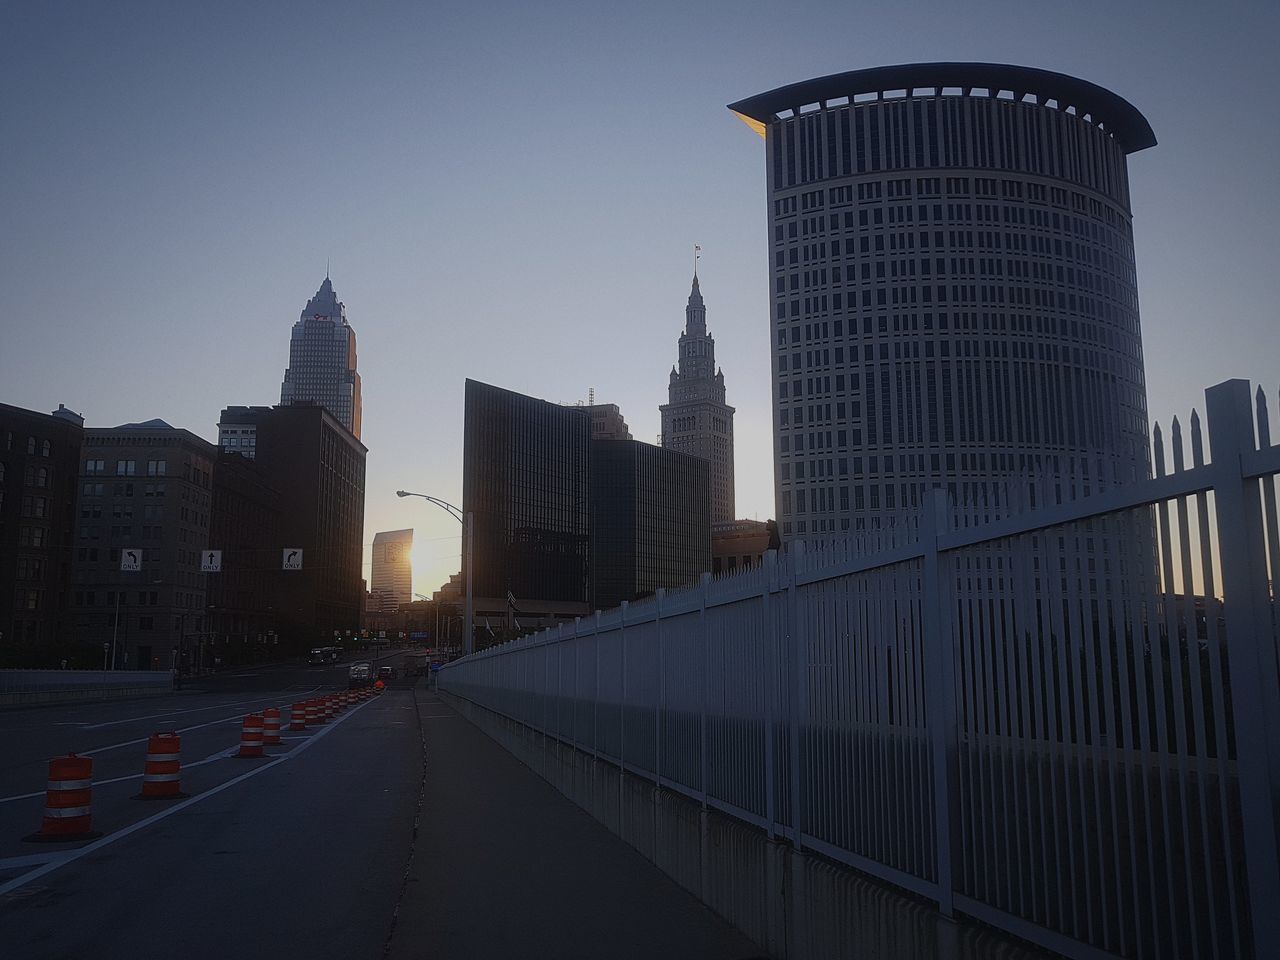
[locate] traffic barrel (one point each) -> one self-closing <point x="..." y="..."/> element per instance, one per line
<point x="271" y="727"/>
<point x="161" y="773"/>
<point x="251" y="738"/>
<point x="322" y="711"/>
<point x="66" y="804"/>
<point x="298" y="716"/>
<point x="313" y="712"/>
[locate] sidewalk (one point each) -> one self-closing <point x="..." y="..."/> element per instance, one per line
<point x="505" y="866"/>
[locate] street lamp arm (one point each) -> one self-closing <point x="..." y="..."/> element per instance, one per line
<point x="468" y="552"/>
<point x="452" y="510"/>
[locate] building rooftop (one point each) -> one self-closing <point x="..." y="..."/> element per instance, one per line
<point x="1110" y="112"/>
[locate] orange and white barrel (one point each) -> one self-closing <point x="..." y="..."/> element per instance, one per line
<point x="67" y="800"/>
<point x="298" y="716"/>
<point x="162" y="772"/>
<point x="271" y="727"/>
<point x="313" y="713"/>
<point x="251" y="738"/>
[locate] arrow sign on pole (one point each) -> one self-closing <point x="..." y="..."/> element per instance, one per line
<point x="291" y="559"/>
<point x="211" y="561"/>
<point x="130" y="560"/>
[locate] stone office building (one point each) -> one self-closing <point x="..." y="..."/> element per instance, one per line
<point x="145" y="493"/>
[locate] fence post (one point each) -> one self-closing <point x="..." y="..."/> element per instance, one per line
<point x="662" y="688"/>
<point x="705" y="584"/>
<point x="622" y="670"/>
<point x="573" y="691"/>
<point x="1255" y="700"/>
<point x="940" y="688"/>
<point x="595" y="696"/>
<point x="770" y="672"/>
<point x="797" y="663"/>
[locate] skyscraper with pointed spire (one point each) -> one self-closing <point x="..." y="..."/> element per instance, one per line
<point x="695" y="418"/>
<point x="322" y="360"/>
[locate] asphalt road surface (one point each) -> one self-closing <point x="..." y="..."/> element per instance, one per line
<point x="396" y="830"/>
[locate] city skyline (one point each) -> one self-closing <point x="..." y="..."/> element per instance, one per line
<point x="1204" y="281"/>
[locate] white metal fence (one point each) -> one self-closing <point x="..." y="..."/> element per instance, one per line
<point x="1059" y="715"/>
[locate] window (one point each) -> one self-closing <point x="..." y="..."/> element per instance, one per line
<point x="95" y="466"/>
<point x="30" y="568"/>
<point x="31" y="537"/>
<point x="156" y="468"/>
<point x="36" y="507"/>
<point x="126" y="468"/>
<point x="31" y="446"/>
<point x="44" y="448"/>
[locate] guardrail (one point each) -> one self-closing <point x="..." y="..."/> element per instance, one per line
<point x="1058" y="714"/>
<point x="32" y="687"/>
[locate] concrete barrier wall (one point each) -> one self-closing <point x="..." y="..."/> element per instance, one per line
<point x="36" y="687"/>
<point x="796" y="905"/>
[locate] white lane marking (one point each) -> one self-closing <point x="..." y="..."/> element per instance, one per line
<point x="194" y="726"/>
<point x="30" y="860"/>
<point x="134" y="743"/>
<point x="220" y="755"/>
<point x="21" y="881"/>
<point x="174" y="713"/>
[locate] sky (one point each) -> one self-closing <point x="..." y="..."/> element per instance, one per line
<point x="512" y="192"/>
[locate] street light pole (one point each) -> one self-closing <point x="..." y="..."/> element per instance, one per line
<point x="468" y="545"/>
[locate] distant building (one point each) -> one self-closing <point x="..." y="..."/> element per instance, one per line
<point x="245" y="526"/>
<point x="450" y="592"/>
<point x="39" y="467"/>
<point x="565" y="524"/>
<point x="954" y="298"/>
<point x="319" y="468"/>
<point x="145" y="496"/>
<point x="696" y="418"/>
<point x="322" y="360"/>
<point x="238" y="430"/>
<point x="739" y="544"/>
<point x="392" y="576"/>
<point x="525" y="479"/>
<point x="607" y="422"/>
<point x="650" y="520"/>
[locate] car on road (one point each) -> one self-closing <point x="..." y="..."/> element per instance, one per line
<point x="386" y="673"/>
<point x="325" y="655"/>
<point x="359" y="675"/>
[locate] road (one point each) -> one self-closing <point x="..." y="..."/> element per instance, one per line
<point x="386" y="832"/>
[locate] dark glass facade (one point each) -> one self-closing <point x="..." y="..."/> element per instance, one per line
<point x="318" y="466"/>
<point x="526" y="469"/>
<point x="651" y="520"/>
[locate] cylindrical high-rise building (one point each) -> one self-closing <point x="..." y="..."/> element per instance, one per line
<point x="953" y="293"/>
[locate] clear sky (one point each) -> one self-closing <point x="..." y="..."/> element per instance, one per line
<point x="511" y="192"/>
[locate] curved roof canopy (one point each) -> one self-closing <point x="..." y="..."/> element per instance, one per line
<point x="1116" y="114"/>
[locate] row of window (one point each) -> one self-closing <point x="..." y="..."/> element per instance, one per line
<point x="32" y="476"/>
<point x="34" y="445"/>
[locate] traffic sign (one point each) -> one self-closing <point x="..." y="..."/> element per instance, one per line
<point x="291" y="558"/>
<point x="211" y="561"/>
<point x="130" y="560"/>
